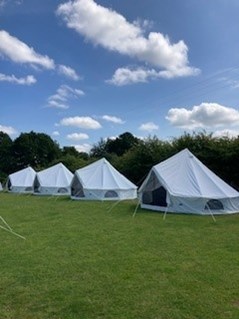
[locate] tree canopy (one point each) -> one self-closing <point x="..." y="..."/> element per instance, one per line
<point x="132" y="156"/>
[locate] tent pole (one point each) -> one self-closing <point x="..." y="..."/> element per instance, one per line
<point x="165" y="213"/>
<point x="136" y="208"/>
<point x="214" y="219"/>
<point x="115" y="204"/>
<point x="12" y="232"/>
<point x="5" y="223"/>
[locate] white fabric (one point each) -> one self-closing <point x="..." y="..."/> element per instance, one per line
<point x="21" y="181"/>
<point x="189" y="186"/>
<point x="0" y="186"/>
<point x="54" y="180"/>
<point x="100" y="180"/>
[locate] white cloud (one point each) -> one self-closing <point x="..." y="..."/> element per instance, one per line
<point x="85" y="148"/>
<point x="55" y="133"/>
<point x="77" y="136"/>
<point x="28" y="80"/>
<point x="113" y="119"/>
<point x="226" y="133"/>
<point x="63" y="94"/>
<point x="8" y="130"/>
<point x="105" y="27"/>
<point x="84" y="122"/>
<point x="57" y="104"/>
<point x="19" y="52"/>
<point x="111" y="138"/>
<point x="5" y="2"/>
<point x="148" y="127"/>
<point x="203" y="116"/>
<point x="125" y="76"/>
<point x="68" y="72"/>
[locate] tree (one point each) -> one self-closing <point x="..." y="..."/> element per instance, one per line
<point x="71" y="150"/>
<point x="5" y="155"/>
<point x="136" y="163"/>
<point x="99" y="149"/>
<point x="35" y="149"/>
<point x="121" y="144"/>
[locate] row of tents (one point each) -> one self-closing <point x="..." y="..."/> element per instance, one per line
<point x="179" y="184"/>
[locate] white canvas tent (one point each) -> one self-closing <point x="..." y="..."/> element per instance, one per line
<point x="1" y="187"/>
<point x="184" y="184"/>
<point x="101" y="181"/>
<point x="21" y="181"/>
<point x="54" y="180"/>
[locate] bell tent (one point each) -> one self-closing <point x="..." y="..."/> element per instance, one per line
<point x="21" y="181"/>
<point x="183" y="184"/>
<point x="54" y="180"/>
<point x="101" y="181"/>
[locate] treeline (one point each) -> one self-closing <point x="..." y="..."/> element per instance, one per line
<point x="132" y="156"/>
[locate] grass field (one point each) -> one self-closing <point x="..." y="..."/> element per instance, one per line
<point x="82" y="261"/>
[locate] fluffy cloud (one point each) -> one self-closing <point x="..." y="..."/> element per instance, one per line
<point x="85" y="148"/>
<point x="5" y="2"/>
<point x="77" y="136"/>
<point x="226" y="133"/>
<point x="28" y="80"/>
<point x="148" y="127"/>
<point x="125" y="76"/>
<point x="8" y="130"/>
<point x="19" y="52"/>
<point x="63" y="94"/>
<point x="68" y="72"/>
<point x="203" y="116"/>
<point x="109" y="29"/>
<point x="84" y="122"/>
<point x="113" y="119"/>
<point x="55" y="133"/>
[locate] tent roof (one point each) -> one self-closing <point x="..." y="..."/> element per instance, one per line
<point x="55" y="176"/>
<point x="102" y="175"/>
<point x="23" y="178"/>
<point x="184" y="175"/>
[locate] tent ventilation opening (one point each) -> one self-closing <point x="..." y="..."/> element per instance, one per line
<point x="111" y="194"/>
<point x="62" y="190"/>
<point x="214" y="204"/>
<point x="28" y="189"/>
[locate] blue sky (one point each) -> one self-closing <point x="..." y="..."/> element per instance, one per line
<point x="84" y="70"/>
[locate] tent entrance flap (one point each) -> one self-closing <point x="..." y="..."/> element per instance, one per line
<point x="157" y="197"/>
<point x="154" y="193"/>
<point x="9" y="185"/>
<point x="77" y="188"/>
<point x="36" y="186"/>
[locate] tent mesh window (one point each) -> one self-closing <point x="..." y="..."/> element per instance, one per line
<point x="28" y="189"/>
<point x="154" y="193"/>
<point x="214" y="204"/>
<point x="77" y="188"/>
<point x="62" y="190"/>
<point x="111" y="194"/>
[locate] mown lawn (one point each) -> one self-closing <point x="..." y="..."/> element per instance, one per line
<point x="81" y="260"/>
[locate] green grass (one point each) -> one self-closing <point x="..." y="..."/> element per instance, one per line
<point x="82" y="261"/>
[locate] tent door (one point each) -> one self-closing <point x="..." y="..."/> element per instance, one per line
<point x="159" y="197"/>
<point x="156" y="197"/>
